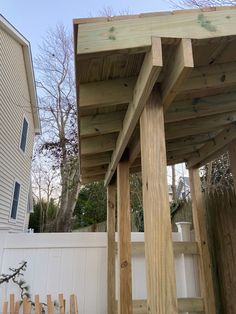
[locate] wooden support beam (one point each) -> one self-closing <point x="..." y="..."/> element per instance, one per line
<point x="106" y="93"/>
<point x="161" y="286"/>
<point x="111" y="248"/>
<point x="148" y="75"/>
<point x="179" y="67"/>
<point x="232" y="158"/>
<point x="208" y="151"/>
<point x="197" y="126"/>
<point x="99" y="124"/>
<point x="124" y="239"/>
<point x="205" y="265"/>
<point x="98" y="144"/>
<point x="116" y="34"/>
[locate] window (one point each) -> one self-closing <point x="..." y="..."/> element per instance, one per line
<point x="15" y="200"/>
<point x="24" y="135"/>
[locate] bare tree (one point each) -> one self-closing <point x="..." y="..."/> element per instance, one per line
<point x="56" y="87"/>
<point x="182" y="4"/>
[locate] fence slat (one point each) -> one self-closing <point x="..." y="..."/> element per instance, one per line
<point x="50" y="304"/>
<point x="73" y="305"/>
<point x="12" y="303"/>
<point x="17" y="308"/>
<point x="5" y="306"/>
<point x="26" y="306"/>
<point x="37" y="304"/>
<point x="61" y="303"/>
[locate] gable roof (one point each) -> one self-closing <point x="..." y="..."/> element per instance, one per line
<point x="12" y="31"/>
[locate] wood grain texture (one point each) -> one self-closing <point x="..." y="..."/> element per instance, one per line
<point x="115" y="35"/>
<point x="124" y="240"/>
<point x="161" y="286"/>
<point x="179" y="67"/>
<point x="148" y="75"/>
<point x="111" y="248"/>
<point x="199" y="221"/>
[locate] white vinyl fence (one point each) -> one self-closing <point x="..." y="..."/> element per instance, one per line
<point x="76" y="263"/>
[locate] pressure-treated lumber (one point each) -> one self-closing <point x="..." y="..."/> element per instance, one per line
<point x="232" y="158"/>
<point x="106" y="93"/>
<point x="216" y="145"/>
<point x="101" y="124"/>
<point x="200" y="107"/>
<point x="200" y="125"/>
<point x="178" y="69"/>
<point x="184" y="305"/>
<point x="124" y="239"/>
<point x="12" y="303"/>
<point x="96" y="160"/>
<point x="148" y="75"/>
<point x="111" y="248"/>
<point x="98" y="144"/>
<point x="116" y="35"/>
<point x="161" y="286"/>
<point x="204" y="261"/>
<point x="187" y="248"/>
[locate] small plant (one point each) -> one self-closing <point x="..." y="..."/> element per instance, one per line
<point x="15" y="276"/>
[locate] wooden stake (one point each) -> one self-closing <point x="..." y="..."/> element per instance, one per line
<point x="199" y="222"/>
<point x="111" y="248"/>
<point x="73" y="305"/>
<point x="50" y="304"/>
<point x="12" y="303"/>
<point x="124" y="239"/>
<point x="17" y="308"/>
<point x="26" y="306"/>
<point x="61" y="303"/>
<point x="5" y="306"/>
<point x="161" y="286"/>
<point x="37" y="304"/>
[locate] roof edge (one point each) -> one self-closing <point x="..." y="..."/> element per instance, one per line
<point x="98" y="19"/>
<point x="14" y="33"/>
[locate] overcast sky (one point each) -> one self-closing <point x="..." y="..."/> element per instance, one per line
<point x="33" y="17"/>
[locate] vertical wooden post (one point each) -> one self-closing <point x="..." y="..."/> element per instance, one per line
<point x="199" y="221"/>
<point x="125" y="305"/>
<point x="111" y="248"/>
<point x="232" y="158"/>
<point x="161" y="285"/>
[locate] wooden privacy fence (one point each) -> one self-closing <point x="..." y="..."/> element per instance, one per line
<point x="37" y="307"/>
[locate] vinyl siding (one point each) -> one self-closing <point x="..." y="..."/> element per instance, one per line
<point x="15" y="165"/>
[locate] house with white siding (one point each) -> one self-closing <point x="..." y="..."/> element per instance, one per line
<point x="19" y="122"/>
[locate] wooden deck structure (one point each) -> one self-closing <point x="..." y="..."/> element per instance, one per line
<point x="154" y="90"/>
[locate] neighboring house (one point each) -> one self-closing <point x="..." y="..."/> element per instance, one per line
<point x="183" y="188"/>
<point x="19" y="122"/>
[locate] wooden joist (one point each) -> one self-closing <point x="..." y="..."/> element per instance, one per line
<point x="95" y="160"/>
<point x="100" y="124"/>
<point x="202" y="125"/>
<point x="148" y="75"/>
<point x="116" y="34"/>
<point x="179" y="67"/>
<point x="200" y="107"/>
<point x="98" y="144"/>
<point x="106" y="93"/>
<point x="211" y="148"/>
